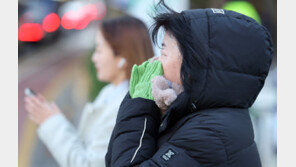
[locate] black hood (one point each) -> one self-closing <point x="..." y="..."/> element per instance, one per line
<point x="236" y="60"/>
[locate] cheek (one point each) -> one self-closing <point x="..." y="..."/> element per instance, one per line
<point x="108" y="69"/>
<point x="168" y="70"/>
<point x="165" y="66"/>
<point x="171" y="70"/>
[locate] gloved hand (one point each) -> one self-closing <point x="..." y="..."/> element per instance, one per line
<point x="140" y="82"/>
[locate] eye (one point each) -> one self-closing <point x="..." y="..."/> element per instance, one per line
<point x="163" y="55"/>
<point x="163" y="46"/>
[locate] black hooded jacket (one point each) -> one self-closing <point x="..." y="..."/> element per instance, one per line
<point x="213" y="128"/>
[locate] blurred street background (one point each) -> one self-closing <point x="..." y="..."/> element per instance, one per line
<point x="56" y="41"/>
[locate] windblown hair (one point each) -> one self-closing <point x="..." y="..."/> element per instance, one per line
<point x="175" y="24"/>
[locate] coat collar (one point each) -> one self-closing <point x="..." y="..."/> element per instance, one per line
<point x="178" y="109"/>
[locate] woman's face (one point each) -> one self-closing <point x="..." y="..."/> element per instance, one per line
<point x="171" y="59"/>
<point x="105" y="61"/>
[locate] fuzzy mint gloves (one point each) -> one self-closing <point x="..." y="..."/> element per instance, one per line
<point x="140" y="82"/>
<point x="147" y="82"/>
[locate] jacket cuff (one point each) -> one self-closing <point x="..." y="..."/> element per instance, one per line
<point x="46" y="130"/>
<point x="138" y="107"/>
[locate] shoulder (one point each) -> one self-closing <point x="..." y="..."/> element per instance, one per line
<point x="109" y="91"/>
<point x="103" y="92"/>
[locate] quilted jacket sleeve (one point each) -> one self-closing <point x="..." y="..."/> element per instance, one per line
<point x="133" y="141"/>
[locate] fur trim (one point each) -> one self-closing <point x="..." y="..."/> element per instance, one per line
<point x="163" y="94"/>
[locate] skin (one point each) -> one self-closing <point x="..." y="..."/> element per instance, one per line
<point x="171" y="58"/>
<point x="39" y="109"/>
<point x="106" y="63"/>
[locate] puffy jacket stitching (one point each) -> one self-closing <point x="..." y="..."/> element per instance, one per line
<point x="238" y="72"/>
<point x="216" y="133"/>
<point x="180" y="126"/>
<point x="248" y="146"/>
<point x="224" y="145"/>
<point x="218" y="136"/>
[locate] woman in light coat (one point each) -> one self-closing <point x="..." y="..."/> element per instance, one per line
<point x="121" y="43"/>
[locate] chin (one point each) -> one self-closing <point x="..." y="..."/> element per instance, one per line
<point x="168" y="78"/>
<point x="102" y="78"/>
<point x="99" y="77"/>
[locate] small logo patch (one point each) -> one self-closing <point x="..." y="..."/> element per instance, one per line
<point x="221" y="11"/>
<point x="168" y="154"/>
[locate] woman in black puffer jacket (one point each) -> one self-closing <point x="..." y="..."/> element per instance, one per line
<point x="223" y="58"/>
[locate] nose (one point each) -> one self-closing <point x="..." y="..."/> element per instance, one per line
<point x="160" y="58"/>
<point x="154" y="58"/>
<point x="93" y="57"/>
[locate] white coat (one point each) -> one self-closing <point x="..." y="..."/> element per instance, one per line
<point x="86" y="146"/>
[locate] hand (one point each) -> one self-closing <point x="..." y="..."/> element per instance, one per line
<point x="40" y="109"/>
<point x="140" y="83"/>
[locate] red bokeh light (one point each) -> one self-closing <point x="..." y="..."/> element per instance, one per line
<point x="30" y="32"/>
<point x="51" y="22"/>
<point x="70" y="20"/>
<point x="87" y="13"/>
<point x="80" y="19"/>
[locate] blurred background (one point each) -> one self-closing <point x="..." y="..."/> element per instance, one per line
<point x="56" y="39"/>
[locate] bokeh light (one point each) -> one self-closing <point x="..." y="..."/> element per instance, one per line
<point x="87" y="13"/>
<point x="51" y="22"/>
<point x="30" y="32"/>
<point x="70" y="20"/>
<point x="83" y="16"/>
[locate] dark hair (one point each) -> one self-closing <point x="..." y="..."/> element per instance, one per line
<point x="175" y="24"/>
<point x="129" y="37"/>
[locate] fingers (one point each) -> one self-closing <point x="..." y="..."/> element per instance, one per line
<point x="33" y="113"/>
<point x="39" y="109"/>
<point x="134" y="79"/>
<point x="29" y="104"/>
<point x="157" y="68"/>
<point x="37" y="100"/>
<point x="141" y="70"/>
<point x="34" y="101"/>
<point x="34" y="106"/>
<point x="142" y="67"/>
<point x="35" y="118"/>
<point x="29" y="107"/>
<point x="36" y="113"/>
<point x="152" y="70"/>
<point x="41" y="97"/>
